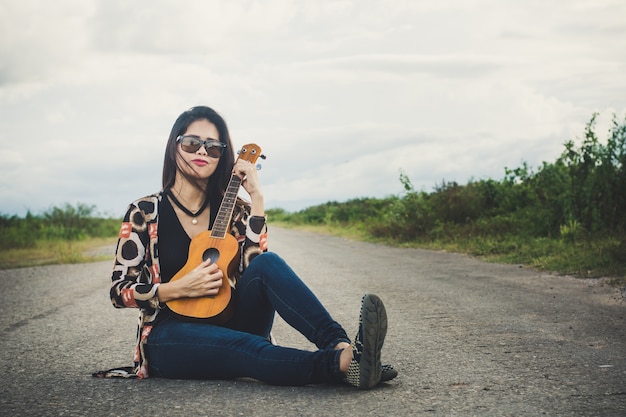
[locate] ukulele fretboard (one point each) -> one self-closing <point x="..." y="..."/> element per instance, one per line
<point x="222" y="220"/>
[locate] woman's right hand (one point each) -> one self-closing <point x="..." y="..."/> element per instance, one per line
<point x="203" y="280"/>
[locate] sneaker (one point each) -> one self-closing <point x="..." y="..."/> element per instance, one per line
<point x="387" y="373"/>
<point x="365" y="369"/>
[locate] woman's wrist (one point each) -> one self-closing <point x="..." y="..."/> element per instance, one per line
<point x="257" y="205"/>
<point x="167" y="291"/>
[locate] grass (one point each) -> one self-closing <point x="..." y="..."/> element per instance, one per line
<point x="582" y="258"/>
<point x="54" y="252"/>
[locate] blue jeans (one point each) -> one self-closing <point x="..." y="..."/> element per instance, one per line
<point x="241" y="347"/>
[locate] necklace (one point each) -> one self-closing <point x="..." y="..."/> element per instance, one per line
<point x="185" y="210"/>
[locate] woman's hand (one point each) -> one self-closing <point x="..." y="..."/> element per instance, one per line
<point x="249" y="176"/>
<point x="204" y="280"/>
<point x="250" y="182"/>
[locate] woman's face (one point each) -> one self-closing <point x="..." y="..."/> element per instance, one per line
<point x="199" y="164"/>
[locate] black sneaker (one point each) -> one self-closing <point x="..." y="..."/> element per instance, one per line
<point x="365" y="369"/>
<point x="387" y="373"/>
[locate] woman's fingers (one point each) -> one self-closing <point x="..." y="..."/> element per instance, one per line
<point x="205" y="279"/>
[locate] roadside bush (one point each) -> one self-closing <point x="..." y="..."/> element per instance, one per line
<point x="597" y="174"/>
<point x="579" y="198"/>
<point x="58" y="223"/>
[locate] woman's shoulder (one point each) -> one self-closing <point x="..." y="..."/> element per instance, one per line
<point x="154" y="197"/>
<point x="148" y="203"/>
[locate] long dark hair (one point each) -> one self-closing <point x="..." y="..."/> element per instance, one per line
<point x="216" y="185"/>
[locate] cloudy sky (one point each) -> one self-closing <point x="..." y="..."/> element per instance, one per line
<point x="342" y="95"/>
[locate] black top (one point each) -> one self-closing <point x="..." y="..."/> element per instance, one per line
<point x="173" y="241"/>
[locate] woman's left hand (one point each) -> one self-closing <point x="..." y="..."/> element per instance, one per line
<point x="249" y="177"/>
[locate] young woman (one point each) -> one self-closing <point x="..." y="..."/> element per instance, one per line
<point x="153" y="247"/>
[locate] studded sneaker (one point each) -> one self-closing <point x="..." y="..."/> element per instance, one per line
<point x="365" y="368"/>
<point x="387" y="373"/>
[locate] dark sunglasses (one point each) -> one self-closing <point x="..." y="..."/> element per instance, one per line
<point x="191" y="144"/>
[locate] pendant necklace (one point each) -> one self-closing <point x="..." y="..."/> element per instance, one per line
<point x="185" y="210"/>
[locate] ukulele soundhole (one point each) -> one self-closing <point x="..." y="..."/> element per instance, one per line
<point x="212" y="253"/>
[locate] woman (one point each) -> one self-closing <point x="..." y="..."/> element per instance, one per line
<point x="153" y="246"/>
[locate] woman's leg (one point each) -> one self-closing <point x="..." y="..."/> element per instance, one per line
<point x="178" y="349"/>
<point x="184" y="350"/>
<point x="270" y="285"/>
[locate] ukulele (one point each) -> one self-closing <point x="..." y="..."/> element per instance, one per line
<point x="221" y="248"/>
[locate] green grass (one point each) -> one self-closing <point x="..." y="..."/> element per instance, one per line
<point x="584" y="258"/>
<point x="52" y="252"/>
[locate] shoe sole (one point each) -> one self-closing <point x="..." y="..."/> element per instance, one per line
<point x="374" y="319"/>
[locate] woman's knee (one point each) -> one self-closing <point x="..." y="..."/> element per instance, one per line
<point x="267" y="260"/>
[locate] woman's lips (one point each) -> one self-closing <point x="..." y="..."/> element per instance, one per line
<point x="200" y="162"/>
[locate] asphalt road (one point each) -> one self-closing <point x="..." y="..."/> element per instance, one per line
<point x="468" y="338"/>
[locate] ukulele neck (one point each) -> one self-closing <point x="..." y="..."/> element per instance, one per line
<point x="222" y="220"/>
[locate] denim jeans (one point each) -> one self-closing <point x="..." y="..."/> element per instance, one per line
<point x="241" y="348"/>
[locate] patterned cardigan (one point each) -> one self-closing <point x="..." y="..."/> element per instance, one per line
<point x="136" y="275"/>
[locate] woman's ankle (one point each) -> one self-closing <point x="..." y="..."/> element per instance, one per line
<point x="342" y="345"/>
<point x="345" y="358"/>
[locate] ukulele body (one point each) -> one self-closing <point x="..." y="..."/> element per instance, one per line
<point x="225" y="253"/>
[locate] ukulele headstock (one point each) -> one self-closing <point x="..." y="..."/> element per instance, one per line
<point x="250" y="152"/>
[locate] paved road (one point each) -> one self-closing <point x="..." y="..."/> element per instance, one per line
<point x="469" y="339"/>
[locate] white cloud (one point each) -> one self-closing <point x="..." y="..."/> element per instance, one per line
<point x="340" y="94"/>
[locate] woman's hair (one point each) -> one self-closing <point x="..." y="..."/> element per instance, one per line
<point x="216" y="184"/>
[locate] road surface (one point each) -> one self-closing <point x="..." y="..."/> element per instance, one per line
<point x="469" y="339"/>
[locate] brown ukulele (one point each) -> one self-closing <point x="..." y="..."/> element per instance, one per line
<point x="219" y="246"/>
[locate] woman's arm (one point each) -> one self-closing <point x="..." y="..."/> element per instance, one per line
<point x="135" y="279"/>
<point x="251" y="233"/>
<point x="249" y="221"/>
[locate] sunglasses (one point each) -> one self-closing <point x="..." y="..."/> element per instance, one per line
<point x="191" y="144"/>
